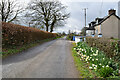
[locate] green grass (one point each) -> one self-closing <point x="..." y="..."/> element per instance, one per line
<point x="17" y="49"/>
<point x="83" y="67"/>
<point x="10" y="51"/>
<point x="116" y="39"/>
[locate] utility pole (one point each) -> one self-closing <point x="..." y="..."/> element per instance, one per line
<point x="75" y="31"/>
<point x="85" y="9"/>
<point x="29" y="24"/>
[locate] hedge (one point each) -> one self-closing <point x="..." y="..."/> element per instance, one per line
<point x="109" y="46"/>
<point x="13" y="34"/>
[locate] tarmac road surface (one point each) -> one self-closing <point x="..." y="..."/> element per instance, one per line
<point x="52" y="59"/>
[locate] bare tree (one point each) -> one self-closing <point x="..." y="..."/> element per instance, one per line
<point x="9" y="10"/>
<point x="83" y="31"/>
<point x="48" y="13"/>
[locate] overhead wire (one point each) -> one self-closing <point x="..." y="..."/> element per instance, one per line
<point x="100" y="13"/>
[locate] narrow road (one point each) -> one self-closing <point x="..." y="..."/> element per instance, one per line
<point x="52" y="59"/>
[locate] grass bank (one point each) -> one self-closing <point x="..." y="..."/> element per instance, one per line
<point x="83" y="67"/>
<point x="93" y="63"/>
<point x="17" y="49"/>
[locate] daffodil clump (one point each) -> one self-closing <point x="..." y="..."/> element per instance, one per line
<point x="97" y="60"/>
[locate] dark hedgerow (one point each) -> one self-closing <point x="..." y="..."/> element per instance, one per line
<point x="17" y="35"/>
<point x="110" y="47"/>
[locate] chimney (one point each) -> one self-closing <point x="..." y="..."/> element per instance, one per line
<point x="89" y="24"/>
<point x="111" y="11"/>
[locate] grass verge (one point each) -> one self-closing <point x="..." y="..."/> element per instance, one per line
<point x="17" y="49"/>
<point x="83" y="67"/>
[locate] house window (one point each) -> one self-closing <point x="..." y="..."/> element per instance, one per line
<point x="96" y="32"/>
<point x="100" y="29"/>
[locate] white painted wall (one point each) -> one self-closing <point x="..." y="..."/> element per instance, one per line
<point x="77" y="39"/>
<point x="89" y="32"/>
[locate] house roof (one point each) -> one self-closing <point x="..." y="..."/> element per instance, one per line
<point x="99" y="18"/>
<point x="90" y="28"/>
<point x="107" y="18"/>
<point x="102" y="20"/>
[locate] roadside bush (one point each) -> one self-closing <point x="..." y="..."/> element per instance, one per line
<point x="70" y="36"/>
<point x="106" y="71"/>
<point x="110" y="47"/>
<point x="97" y="60"/>
<point x="13" y="34"/>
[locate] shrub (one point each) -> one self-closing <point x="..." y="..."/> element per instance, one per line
<point x="13" y="34"/>
<point x="110" y="47"/>
<point x="97" y="60"/>
<point x="70" y="36"/>
<point x="106" y="71"/>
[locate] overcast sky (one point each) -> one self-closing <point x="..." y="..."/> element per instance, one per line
<point x="75" y="7"/>
<point x="95" y="9"/>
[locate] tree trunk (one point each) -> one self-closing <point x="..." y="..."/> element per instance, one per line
<point x="47" y="28"/>
<point x="51" y="29"/>
<point x="52" y="25"/>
